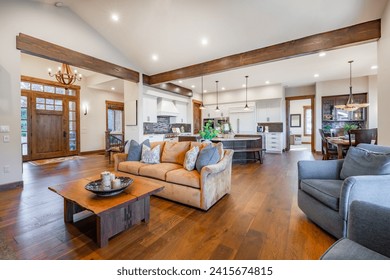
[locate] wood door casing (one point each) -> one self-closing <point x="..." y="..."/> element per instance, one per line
<point x="197" y="116"/>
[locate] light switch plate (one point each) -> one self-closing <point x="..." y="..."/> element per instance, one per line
<point x="4" y="128"/>
<point x="6" y="138"/>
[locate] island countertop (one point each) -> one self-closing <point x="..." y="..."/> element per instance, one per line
<point x="245" y="138"/>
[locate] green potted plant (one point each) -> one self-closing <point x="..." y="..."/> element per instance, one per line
<point x="208" y="131"/>
<point x="348" y="127"/>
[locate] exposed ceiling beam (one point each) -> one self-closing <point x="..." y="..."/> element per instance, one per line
<point x="169" y="87"/>
<point x="352" y="35"/>
<point x="40" y="48"/>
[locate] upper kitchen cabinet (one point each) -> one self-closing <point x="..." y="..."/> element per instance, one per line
<point x="269" y="110"/>
<point x="182" y="112"/>
<point x="210" y="112"/>
<point x="149" y="108"/>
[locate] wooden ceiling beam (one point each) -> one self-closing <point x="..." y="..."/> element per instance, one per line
<point x="43" y="49"/>
<point x="169" y="87"/>
<point x="352" y="35"/>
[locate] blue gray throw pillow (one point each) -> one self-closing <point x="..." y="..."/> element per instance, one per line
<point x="135" y="150"/>
<point x="360" y="162"/>
<point x="208" y="155"/>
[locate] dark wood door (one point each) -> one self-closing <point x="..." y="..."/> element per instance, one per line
<point x="48" y="134"/>
<point x="197" y="116"/>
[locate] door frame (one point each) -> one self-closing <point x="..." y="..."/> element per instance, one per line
<point x="30" y="94"/>
<point x="198" y="103"/>
<point x="313" y="129"/>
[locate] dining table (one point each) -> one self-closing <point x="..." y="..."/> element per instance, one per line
<point x="341" y="143"/>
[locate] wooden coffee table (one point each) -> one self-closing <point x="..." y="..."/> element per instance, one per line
<point x="114" y="214"/>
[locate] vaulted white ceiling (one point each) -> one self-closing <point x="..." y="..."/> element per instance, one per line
<point x="174" y="29"/>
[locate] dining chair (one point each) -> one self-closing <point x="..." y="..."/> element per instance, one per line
<point x="337" y="132"/>
<point x="328" y="150"/>
<point x="367" y="135"/>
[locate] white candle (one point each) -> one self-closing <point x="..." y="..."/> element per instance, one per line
<point x="116" y="184"/>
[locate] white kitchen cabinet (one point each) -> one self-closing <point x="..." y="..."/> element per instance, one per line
<point x="153" y="137"/>
<point x="269" y="110"/>
<point x="149" y="108"/>
<point x="210" y="112"/>
<point x="182" y="108"/>
<point x="243" y="122"/>
<point x="274" y="142"/>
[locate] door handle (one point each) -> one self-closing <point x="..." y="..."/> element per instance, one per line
<point x="64" y="134"/>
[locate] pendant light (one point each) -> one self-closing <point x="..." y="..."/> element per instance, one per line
<point x="216" y="86"/>
<point x="351" y="105"/>
<point x="202" y="107"/>
<point x="246" y="108"/>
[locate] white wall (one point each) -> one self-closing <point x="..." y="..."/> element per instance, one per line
<point x="384" y="79"/>
<point x="296" y="107"/>
<point x="93" y="125"/>
<point x="300" y="91"/>
<point x="339" y="87"/>
<point x="255" y="93"/>
<point x="41" y="21"/>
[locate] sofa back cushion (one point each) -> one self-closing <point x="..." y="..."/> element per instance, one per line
<point x="200" y="145"/>
<point x="360" y="162"/>
<point x="135" y="150"/>
<point x="156" y="143"/>
<point x="174" y="152"/>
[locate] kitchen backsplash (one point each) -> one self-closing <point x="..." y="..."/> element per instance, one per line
<point x="163" y="126"/>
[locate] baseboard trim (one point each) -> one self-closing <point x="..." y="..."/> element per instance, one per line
<point x="99" y="152"/>
<point x="13" y="185"/>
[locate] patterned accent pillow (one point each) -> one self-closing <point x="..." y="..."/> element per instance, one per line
<point x="190" y="158"/>
<point x="150" y="155"/>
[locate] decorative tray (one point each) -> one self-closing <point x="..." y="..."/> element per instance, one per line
<point x="97" y="187"/>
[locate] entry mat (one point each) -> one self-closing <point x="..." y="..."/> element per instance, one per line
<point x="54" y="160"/>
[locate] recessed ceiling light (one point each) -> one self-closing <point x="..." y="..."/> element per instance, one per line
<point x="193" y="86"/>
<point x="267" y="82"/>
<point x="373" y="67"/>
<point x="322" y="54"/>
<point x="180" y="81"/>
<point x="115" y="17"/>
<point x="223" y="88"/>
<point x="204" y="41"/>
<point x="316" y="75"/>
<point x="205" y="91"/>
<point x="243" y="85"/>
<point x="112" y="88"/>
<point x="155" y="57"/>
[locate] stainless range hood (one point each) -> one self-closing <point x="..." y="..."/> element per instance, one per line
<point x="166" y="107"/>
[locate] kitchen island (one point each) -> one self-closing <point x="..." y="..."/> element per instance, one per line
<point x="246" y="146"/>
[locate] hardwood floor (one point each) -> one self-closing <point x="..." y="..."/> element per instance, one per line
<point x="260" y="219"/>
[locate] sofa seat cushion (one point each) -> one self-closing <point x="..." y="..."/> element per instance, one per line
<point x="184" y="177"/>
<point x="325" y="191"/>
<point x="131" y="167"/>
<point x="159" y="170"/>
<point x="346" y="249"/>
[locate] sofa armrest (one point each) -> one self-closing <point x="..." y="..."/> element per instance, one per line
<point x="372" y="188"/>
<point x="118" y="158"/>
<point x="369" y="225"/>
<point x="216" y="180"/>
<point x="319" y="169"/>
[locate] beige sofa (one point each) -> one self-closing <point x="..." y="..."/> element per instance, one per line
<point x="201" y="190"/>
